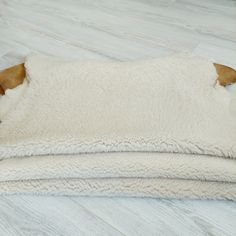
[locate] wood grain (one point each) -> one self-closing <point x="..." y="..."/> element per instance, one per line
<point x="116" y="30"/>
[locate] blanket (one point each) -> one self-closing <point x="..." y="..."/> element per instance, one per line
<point x="157" y="128"/>
<point x="121" y="174"/>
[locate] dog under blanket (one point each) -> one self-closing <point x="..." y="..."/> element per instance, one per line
<point x="120" y="129"/>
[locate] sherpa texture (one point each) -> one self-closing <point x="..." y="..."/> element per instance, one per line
<point x="121" y="174"/>
<point x="162" y="105"/>
<point x="11" y="98"/>
<point x="135" y="109"/>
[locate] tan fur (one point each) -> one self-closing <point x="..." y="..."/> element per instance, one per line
<point x="226" y="74"/>
<point x="1" y="90"/>
<point x="11" y="77"/>
<point x="14" y="76"/>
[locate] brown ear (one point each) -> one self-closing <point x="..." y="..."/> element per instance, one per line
<point x="12" y="77"/>
<point x="226" y="75"/>
<point x="2" y="92"/>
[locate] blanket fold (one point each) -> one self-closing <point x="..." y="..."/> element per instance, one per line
<point x="157" y="128"/>
<point x="121" y="174"/>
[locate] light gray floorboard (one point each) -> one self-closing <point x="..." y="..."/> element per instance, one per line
<point x="116" y="30"/>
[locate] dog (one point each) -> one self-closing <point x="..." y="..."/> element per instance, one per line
<point x="226" y="75"/>
<point x="14" y="76"/>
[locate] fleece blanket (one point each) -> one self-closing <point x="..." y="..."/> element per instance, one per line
<point x="158" y="128"/>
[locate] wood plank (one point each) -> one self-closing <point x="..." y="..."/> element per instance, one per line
<point x="116" y="30"/>
<point x="32" y="215"/>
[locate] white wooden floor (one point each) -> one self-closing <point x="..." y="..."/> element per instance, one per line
<point x="116" y="30"/>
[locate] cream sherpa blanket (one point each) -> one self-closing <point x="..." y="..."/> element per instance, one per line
<point x="139" y="110"/>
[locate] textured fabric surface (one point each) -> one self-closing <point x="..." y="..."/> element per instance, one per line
<point x="11" y="98"/>
<point x="123" y="187"/>
<point x="164" y="105"/>
<point x="121" y="174"/>
<point x="125" y="116"/>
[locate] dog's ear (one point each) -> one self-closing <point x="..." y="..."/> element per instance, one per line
<point x="226" y="75"/>
<point x="12" y="77"/>
<point x="2" y="92"/>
